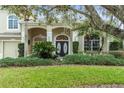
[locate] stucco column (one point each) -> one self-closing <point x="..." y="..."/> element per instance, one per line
<point x="71" y="43"/>
<point x="106" y="43"/>
<point x="75" y="35"/>
<point x="24" y="36"/>
<point x="49" y="33"/>
<point x="100" y="43"/>
<point x="2" y="49"/>
<point x="81" y="43"/>
<point x="123" y="44"/>
<point x="22" y="33"/>
<point x="22" y="28"/>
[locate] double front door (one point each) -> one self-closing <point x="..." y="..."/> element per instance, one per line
<point x="62" y="48"/>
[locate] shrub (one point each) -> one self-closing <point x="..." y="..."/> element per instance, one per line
<point x="92" y="60"/>
<point x="25" y="61"/>
<point x="75" y="46"/>
<point x="115" y="45"/>
<point x="21" y="49"/>
<point x="117" y="54"/>
<point x="43" y="49"/>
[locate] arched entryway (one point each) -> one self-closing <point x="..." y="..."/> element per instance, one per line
<point x="62" y="40"/>
<point x="62" y="45"/>
<point x="35" y="35"/>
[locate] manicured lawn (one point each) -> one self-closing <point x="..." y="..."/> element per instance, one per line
<point x="60" y="76"/>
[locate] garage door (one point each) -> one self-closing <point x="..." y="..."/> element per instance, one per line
<point x="11" y="49"/>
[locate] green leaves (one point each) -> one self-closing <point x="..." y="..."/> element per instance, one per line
<point x="43" y="49"/>
<point x="75" y="46"/>
<point x="22" y="11"/>
<point x="25" y="61"/>
<point x="93" y="60"/>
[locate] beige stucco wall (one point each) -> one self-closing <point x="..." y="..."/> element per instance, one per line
<point x="3" y="21"/>
<point x="33" y="33"/>
<point x="4" y="31"/>
<point x="51" y="32"/>
<point x="58" y="31"/>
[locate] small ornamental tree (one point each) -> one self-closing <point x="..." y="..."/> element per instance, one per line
<point x="75" y="46"/>
<point x="21" y="49"/>
<point x="43" y="49"/>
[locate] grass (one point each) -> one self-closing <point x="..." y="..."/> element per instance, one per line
<point x="60" y="76"/>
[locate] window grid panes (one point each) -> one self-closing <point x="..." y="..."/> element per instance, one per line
<point x="12" y="22"/>
<point x="91" y="44"/>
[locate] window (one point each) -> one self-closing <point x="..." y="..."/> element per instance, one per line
<point x="12" y="22"/>
<point x="91" y="43"/>
<point x="61" y="37"/>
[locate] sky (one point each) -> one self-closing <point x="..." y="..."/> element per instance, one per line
<point x="101" y="11"/>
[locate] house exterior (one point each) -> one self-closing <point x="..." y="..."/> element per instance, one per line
<point x="12" y="32"/>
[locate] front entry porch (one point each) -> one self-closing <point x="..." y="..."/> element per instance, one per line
<point x="35" y="35"/>
<point x="61" y="38"/>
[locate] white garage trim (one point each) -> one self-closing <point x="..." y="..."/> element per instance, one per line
<point x="3" y="41"/>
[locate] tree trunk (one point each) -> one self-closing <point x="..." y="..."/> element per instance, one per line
<point x="98" y="23"/>
<point x="101" y="47"/>
<point x="117" y="11"/>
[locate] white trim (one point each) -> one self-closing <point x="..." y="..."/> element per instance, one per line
<point x="12" y="40"/>
<point x="36" y="26"/>
<point x="62" y="34"/>
<point x="10" y="36"/>
<point x="69" y="50"/>
<point x="3" y="41"/>
<point x="62" y="40"/>
<point x="91" y="43"/>
<point x="13" y="30"/>
<point x="100" y="41"/>
<point x="61" y="26"/>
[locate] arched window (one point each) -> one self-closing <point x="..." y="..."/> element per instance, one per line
<point x="12" y="22"/>
<point x="61" y="37"/>
<point x="91" y="42"/>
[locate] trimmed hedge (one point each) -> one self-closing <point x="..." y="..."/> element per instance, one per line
<point x="93" y="60"/>
<point x="117" y="54"/>
<point x="75" y="46"/>
<point x="21" y="49"/>
<point x="68" y="59"/>
<point x="25" y="61"/>
<point x="115" y="45"/>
